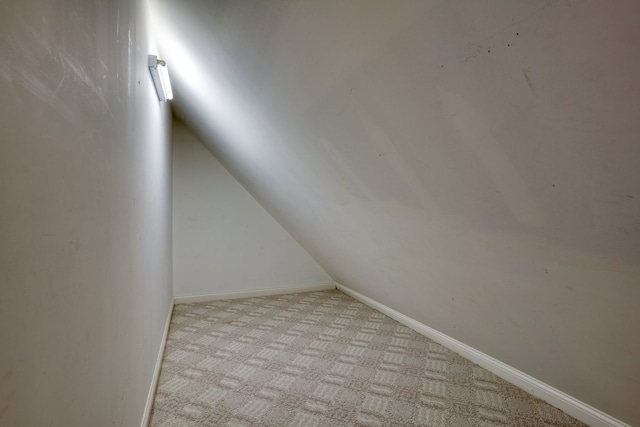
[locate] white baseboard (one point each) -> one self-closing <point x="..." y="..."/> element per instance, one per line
<point x="146" y="417"/>
<point x="574" y="407"/>
<point x="255" y="293"/>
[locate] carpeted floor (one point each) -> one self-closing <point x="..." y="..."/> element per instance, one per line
<point x="324" y="359"/>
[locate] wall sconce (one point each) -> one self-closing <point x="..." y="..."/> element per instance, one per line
<point x="160" y="76"/>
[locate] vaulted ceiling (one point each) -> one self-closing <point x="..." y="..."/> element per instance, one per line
<point x="473" y="165"/>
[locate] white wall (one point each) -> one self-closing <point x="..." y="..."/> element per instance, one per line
<point x="473" y="165"/>
<point x="224" y="241"/>
<point x="85" y="242"/>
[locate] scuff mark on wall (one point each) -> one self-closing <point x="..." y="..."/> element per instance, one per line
<point x="5" y="71"/>
<point x="42" y="91"/>
<point x="529" y="80"/>
<point x="131" y="65"/>
<point x="79" y="70"/>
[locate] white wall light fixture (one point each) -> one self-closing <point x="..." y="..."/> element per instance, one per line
<point x="160" y="76"/>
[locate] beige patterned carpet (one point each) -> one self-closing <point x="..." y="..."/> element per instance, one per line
<point x="324" y="359"/>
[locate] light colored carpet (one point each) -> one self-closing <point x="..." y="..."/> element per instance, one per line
<point x="324" y="359"/>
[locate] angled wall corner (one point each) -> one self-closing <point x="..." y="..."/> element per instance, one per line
<point x="224" y="241"/>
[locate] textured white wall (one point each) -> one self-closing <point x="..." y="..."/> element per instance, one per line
<point x="85" y="237"/>
<point x="224" y="241"/>
<point x="471" y="164"/>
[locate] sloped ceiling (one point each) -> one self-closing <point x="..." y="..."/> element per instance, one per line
<point x="473" y="165"/>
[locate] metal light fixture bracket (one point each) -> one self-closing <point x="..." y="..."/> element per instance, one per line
<point x="160" y="76"/>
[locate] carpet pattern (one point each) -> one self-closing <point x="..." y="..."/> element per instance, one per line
<point x="324" y="359"/>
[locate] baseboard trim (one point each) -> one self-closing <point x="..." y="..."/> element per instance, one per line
<point x="570" y="405"/>
<point x="187" y="299"/>
<point x="156" y="372"/>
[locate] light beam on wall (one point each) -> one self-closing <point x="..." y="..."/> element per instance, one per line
<point x="160" y="76"/>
